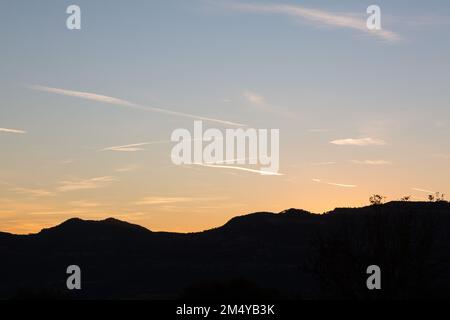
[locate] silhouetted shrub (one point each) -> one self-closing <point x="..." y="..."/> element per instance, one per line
<point x="376" y="199"/>
<point x="438" y="197"/>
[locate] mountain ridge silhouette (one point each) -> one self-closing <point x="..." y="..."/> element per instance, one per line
<point x="292" y="254"/>
<point x="263" y="215"/>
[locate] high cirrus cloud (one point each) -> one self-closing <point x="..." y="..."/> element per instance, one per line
<point x="422" y="190"/>
<point x="34" y="192"/>
<point x="124" y="103"/>
<point x="6" y="130"/>
<point x="316" y="16"/>
<point x="138" y="146"/>
<point x="163" y="200"/>
<point x="93" y="183"/>
<point x="372" y="162"/>
<point x="127" y="148"/>
<point x="261" y="172"/>
<point x="342" y="185"/>
<point x="358" y="142"/>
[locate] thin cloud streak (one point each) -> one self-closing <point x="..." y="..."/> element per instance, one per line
<point x="342" y="185"/>
<point x="34" y="192"/>
<point x="358" y="142"/>
<point x="422" y="190"/>
<point x="163" y="200"/>
<point x="262" y="172"/>
<point x="124" y="103"/>
<point x="319" y="17"/>
<point x="93" y="183"/>
<point x="327" y="163"/>
<point x="228" y="161"/>
<point x="372" y="162"/>
<point x="134" y="147"/>
<point x="6" y="130"/>
<point x="127" y="148"/>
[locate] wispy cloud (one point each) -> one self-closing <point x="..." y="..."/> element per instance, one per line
<point x="262" y="172"/>
<point x="231" y="161"/>
<point x="317" y="17"/>
<point x="93" y="183"/>
<point x="34" y="192"/>
<point x="254" y="98"/>
<point x="136" y="146"/>
<point x="325" y="163"/>
<point x="124" y="103"/>
<point x="422" y="190"/>
<point x="127" y="148"/>
<point x="6" y="130"/>
<point x="163" y="200"/>
<point x="358" y="142"/>
<point x="63" y="213"/>
<point x="372" y="162"/>
<point x="342" y="185"/>
<point x="260" y="103"/>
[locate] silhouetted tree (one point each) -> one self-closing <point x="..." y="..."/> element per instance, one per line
<point x="405" y="198"/>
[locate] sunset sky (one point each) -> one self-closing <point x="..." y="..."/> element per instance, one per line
<point x="86" y="115"/>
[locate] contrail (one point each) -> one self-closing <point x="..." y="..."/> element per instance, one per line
<point x="422" y="190"/>
<point x="127" y="148"/>
<point x="12" y="130"/>
<point x="262" y="172"/>
<point x="135" y="146"/>
<point x="128" y="104"/>
<point x="342" y="185"/>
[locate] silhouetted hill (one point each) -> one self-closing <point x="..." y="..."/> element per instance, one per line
<point x="105" y="228"/>
<point x="4" y="235"/>
<point x="291" y="254"/>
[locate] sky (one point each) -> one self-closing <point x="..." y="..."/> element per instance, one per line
<point x="86" y="116"/>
